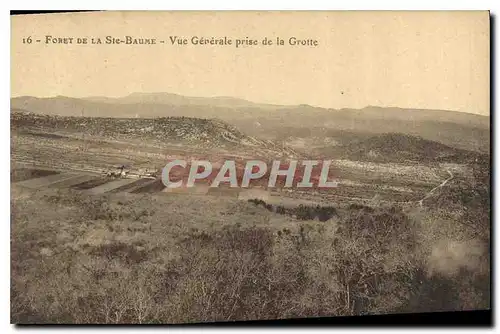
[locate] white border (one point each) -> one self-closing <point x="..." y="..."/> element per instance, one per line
<point x="492" y="5"/>
<point x="260" y="5"/>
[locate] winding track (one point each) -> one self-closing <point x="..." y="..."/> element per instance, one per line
<point x="429" y="194"/>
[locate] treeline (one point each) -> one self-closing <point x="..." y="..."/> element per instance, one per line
<point x="301" y="212"/>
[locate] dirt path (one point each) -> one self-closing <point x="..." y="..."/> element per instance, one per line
<point x="420" y="202"/>
<point x="109" y="186"/>
<point x="429" y="194"/>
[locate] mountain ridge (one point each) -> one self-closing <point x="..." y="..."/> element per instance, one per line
<point x="458" y="129"/>
<point x="138" y="97"/>
<point x="203" y="133"/>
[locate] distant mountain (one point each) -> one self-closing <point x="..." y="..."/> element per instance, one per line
<point x="275" y="122"/>
<point x="138" y="106"/>
<point x="180" y="100"/>
<point x="397" y="147"/>
<point x="456" y="129"/>
<point x="162" y="104"/>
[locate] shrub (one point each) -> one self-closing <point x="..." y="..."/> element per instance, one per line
<point x="302" y="212"/>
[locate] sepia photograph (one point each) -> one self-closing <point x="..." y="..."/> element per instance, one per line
<point x="195" y="167"/>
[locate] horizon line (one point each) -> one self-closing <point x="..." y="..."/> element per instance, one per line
<point x="243" y="99"/>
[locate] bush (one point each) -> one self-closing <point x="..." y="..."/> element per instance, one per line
<point x="369" y="262"/>
<point x="302" y="212"/>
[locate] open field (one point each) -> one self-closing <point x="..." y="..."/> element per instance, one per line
<point x="388" y="182"/>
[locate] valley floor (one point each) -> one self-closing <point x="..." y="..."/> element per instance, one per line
<point x="359" y="182"/>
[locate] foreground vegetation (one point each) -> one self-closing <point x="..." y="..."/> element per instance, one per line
<point x="124" y="258"/>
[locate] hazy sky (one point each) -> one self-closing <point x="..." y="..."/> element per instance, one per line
<point x="433" y="60"/>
